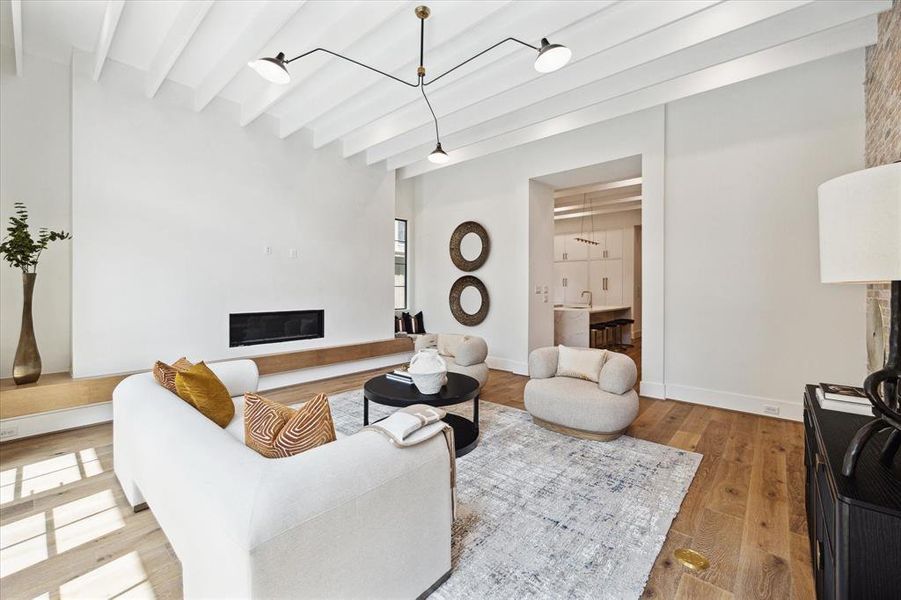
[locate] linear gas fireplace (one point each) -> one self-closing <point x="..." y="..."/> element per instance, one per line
<point x="248" y="329"/>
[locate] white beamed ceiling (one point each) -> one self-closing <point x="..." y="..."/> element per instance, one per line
<point x="627" y="56"/>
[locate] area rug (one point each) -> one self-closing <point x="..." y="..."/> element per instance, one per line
<point x="545" y="515"/>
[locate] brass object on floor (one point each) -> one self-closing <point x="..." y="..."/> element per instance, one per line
<point x="692" y="559"/>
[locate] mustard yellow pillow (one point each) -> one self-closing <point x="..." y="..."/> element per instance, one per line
<point x="165" y="374"/>
<point x="199" y="387"/>
<point x="278" y="431"/>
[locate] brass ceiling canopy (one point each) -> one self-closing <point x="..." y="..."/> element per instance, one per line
<point x="692" y="559"/>
<point x="423" y="12"/>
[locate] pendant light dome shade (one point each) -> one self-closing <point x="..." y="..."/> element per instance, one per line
<point x="551" y="57"/>
<point x="438" y="156"/>
<point x="274" y="70"/>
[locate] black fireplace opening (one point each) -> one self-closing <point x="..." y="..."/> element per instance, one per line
<point x="248" y="329"/>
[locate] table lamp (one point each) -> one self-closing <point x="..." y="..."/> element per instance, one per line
<point x="860" y="242"/>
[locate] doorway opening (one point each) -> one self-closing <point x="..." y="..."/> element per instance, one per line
<point x="595" y="255"/>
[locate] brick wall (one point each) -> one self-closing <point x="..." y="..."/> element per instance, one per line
<point x="883" y="142"/>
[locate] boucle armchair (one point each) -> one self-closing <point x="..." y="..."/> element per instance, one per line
<point x="464" y="354"/>
<point x="598" y="411"/>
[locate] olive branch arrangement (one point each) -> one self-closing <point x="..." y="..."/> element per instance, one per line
<point x="19" y="248"/>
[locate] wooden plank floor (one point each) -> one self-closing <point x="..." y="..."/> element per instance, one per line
<point x="66" y="531"/>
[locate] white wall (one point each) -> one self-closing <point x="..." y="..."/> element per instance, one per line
<point x="35" y="169"/>
<point x="495" y="192"/>
<point x="172" y="210"/>
<point x="541" y="265"/>
<point x="745" y="311"/>
<point x="746" y="321"/>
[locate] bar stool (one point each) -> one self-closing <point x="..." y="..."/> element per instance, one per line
<point x="618" y="325"/>
<point x="600" y="330"/>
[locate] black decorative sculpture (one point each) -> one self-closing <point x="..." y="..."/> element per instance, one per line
<point x="883" y="389"/>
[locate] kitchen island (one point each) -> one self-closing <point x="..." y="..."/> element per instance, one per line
<point x="572" y="324"/>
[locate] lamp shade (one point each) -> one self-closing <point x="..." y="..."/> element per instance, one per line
<point x="860" y="226"/>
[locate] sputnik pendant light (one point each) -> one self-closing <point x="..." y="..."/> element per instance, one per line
<point x="550" y="58"/>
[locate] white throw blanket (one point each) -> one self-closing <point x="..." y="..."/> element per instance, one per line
<point x="415" y="424"/>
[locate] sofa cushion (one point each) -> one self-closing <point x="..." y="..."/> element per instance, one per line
<point x="448" y="342"/>
<point x="580" y="404"/>
<point x="199" y="387"/>
<point x="165" y="374"/>
<point x="478" y="372"/>
<point x="618" y="374"/>
<point x="581" y="363"/>
<point x="278" y="431"/>
<point x="471" y="351"/>
<point x="543" y="362"/>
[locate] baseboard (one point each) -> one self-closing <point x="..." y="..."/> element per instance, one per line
<point x="505" y="364"/>
<point x="55" y="420"/>
<point x="652" y="389"/>
<point x="102" y="412"/>
<point x="732" y="401"/>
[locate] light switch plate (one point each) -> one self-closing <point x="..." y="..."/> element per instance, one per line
<point x="292" y="253"/>
<point x="267" y="250"/>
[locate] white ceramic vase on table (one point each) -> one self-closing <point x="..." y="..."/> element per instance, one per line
<point x="428" y="370"/>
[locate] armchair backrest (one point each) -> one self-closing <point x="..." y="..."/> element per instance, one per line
<point x="618" y="373"/>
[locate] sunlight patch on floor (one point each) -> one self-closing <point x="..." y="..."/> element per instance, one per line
<point x="48" y="474"/>
<point x="123" y="577"/>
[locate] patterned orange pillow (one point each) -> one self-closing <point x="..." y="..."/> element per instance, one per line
<point x="165" y="374"/>
<point x="278" y="431"/>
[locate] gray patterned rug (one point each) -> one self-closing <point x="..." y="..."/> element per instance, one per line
<point x="545" y="515"/>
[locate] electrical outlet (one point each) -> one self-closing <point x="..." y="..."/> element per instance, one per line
<point x="292" y="253"/>
<point x="769" y="409"/>
<point x="537" y="289"/>
<point x="267" y="250"/>
<point x="9" y="431"/>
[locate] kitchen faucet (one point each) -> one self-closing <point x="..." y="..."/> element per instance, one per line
<point x="590" y="297"/>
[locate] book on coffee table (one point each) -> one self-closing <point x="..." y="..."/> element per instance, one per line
<point x="844" y="393"/>
<point x="854" y="407"/>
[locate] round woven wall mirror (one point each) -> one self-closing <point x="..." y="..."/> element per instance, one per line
<point x="467" y="284"/>
<point x="469" y="246"/>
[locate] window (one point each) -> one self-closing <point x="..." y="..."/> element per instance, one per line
<point x="400" y="264"/>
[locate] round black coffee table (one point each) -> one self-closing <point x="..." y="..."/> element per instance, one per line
<point x="458" y="389"/>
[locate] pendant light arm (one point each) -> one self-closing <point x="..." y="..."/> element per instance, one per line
<point x="429" y="104"/>
<point x="472" y="58"/>
<point x="356" y="62"/>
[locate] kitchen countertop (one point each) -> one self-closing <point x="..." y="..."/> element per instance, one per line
<point x="591" y="309"/>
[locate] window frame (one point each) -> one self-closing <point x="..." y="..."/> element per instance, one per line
<point x="406" y="255"/>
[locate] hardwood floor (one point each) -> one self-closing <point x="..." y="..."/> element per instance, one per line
<point x="66" y="531"/>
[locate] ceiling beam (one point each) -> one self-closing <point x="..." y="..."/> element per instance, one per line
<point x="529" y="21"/>
<point x="271" y="19"/>
<point x="719" y="33"/>
<point x="834" y="41"/>
<point x="186" y="23"/>
<point x="16" y="8"/>
<point x="589" y="204"/>
<point x="107" y="33"/>
<point x="596" y="187"/>
<point x="605" y="211"/>
<point x="345" y="34"/>
<point x="587" y="38"/>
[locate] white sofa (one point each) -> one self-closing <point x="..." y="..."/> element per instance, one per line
<point x="464" y="354"/>
<point x="355" y="518"/>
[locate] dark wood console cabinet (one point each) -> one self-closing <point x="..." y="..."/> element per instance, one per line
<point x="854" y="523"/>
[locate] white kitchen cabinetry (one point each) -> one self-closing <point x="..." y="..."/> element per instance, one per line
<point x="609" y="245"/>
<point x="606" y="277"/>
<point x="570" y="280"/>
<point x="567" y="248"/>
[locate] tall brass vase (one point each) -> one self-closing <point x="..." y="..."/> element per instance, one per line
<point x="27" y="365"/>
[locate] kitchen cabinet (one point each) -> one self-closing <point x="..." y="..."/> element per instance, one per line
<point x="609" y="245"/>
<point x="570" y="280"/>
<point x="606" y="278"/>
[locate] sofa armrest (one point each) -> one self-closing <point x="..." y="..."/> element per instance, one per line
<point x="357" y="501"/>
<point x="471" y="351"/>
<point x="618" y="375"/>
<point x="543" y="362"/>
<point x="421" y="341"/>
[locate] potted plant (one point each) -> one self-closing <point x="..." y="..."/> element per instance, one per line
<point x="22" y="251"/>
